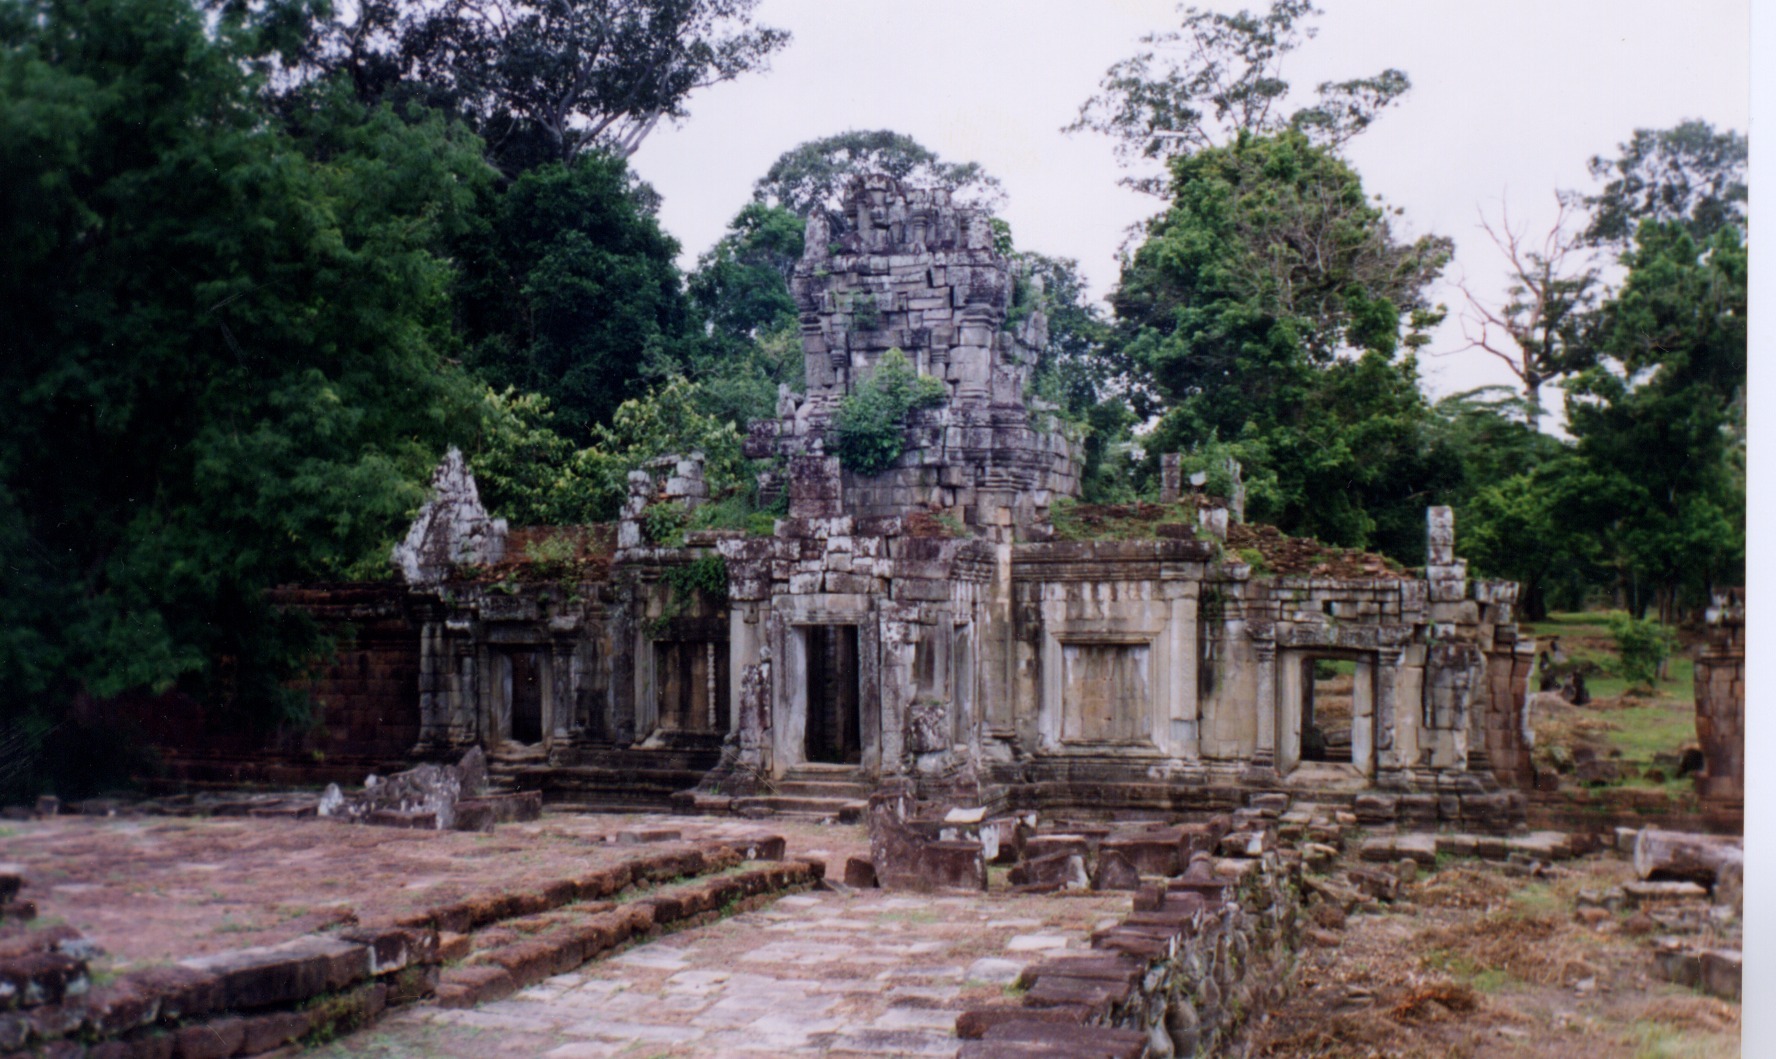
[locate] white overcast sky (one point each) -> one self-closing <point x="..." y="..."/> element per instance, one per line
<point x="1509" y="100"/>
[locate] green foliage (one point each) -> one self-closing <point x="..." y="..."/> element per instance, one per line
<point x="665" y="421"/>
<point x="1654" y="422"/>
<point x="706" y="575"/>
<point x="524" y="469"/>
<point x="866" y="315"/>
<point x="1689" y="174"/>
<point x="1269" y="305"/>
<point x="815" y="174"/>
<point x="568" y="289"/>
<point x="541" y="80"/>
<point x="1642" y="648"/>
<point x="220" y="343"/>
<point x="753" y="342"/>
<point x="740" y="511"/>
<point x="664" y="524"/>
<point x="869" y="429"/>
<point x="1218" y="77"/>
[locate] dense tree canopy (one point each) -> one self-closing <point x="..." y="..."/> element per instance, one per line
<point x="541" y="80"/>
<point x="1689" y="173"/>
<point x="569" y="289"/>
<point x="1270" y="304"/>
<point x="221" y="360"/>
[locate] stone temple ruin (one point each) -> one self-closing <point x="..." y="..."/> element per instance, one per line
<point x="926" y="631"/>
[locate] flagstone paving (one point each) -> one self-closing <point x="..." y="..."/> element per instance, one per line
<point x="867" y="973"/>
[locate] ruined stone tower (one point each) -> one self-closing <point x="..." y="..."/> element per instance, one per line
<point x="905" y="269"/>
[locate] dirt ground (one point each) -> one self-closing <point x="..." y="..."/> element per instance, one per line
<point x="150" y="890"/>
<point x="1478" y="962"/>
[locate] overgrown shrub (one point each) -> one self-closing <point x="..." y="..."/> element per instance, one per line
<point x="869" y="428"/>
<point x="1642" y="647"/>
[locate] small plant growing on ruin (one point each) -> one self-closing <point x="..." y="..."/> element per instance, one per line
<point x="954" y="525"/>
<point x="707" y="574"/>
<point x="1254" y="558"/>
<point x="552" y="557"/>
<point x="664" y="524"/>
<point x="866" y="315"/>
<point x="868" y="430"/>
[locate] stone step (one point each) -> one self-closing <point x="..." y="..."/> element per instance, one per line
<point x="796" y="805"/>
<point x="823" y="789"/>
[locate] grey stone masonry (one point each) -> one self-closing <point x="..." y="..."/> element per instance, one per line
<point x="905" y="269"/>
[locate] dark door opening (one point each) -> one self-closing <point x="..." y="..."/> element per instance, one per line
<point x="527" y="696"/>
<point x="1327" y="708"/>
<point x="834" y="730"/>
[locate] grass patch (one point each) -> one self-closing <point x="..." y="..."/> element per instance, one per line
<point x="1074" y="521"/>
<point x="1656" y="1040"/>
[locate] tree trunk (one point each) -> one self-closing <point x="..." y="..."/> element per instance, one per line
<point x="1681" y="855"/>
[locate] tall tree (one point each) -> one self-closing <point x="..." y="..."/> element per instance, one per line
<point x="1543" y="331"/>
<point x="1271" y="303"/>
<point x="568" y="289"/>
<point x="540" y="80"/>
<point x="752" y="342"/>
<point x="220" y="355"/>
<point x="1689" y="173"/>
<point x="815" y="174"/>
<point x="1654" y="420"/>
<point x="1221" y="75"/>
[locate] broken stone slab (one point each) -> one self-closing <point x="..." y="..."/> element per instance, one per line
<point x="1643" y="894"/>
<point x="1060" y="870"/>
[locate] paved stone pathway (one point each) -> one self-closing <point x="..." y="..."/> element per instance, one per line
<point x="861" y="974"/>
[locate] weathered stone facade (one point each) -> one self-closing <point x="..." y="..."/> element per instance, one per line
<point x="923" y="630"/>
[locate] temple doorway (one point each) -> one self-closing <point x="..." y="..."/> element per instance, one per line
<point x="521" y="676"/>
<point x="834" y="731"/>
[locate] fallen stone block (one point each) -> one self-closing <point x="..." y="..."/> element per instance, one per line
<point x="860" y="874"/>
<point x="1655" y="894"/>
<point x="1055" y="871"/>
<point x="1153" y="852"/>
<point x="1723" y="973"/>
<point x="1115" y="871"/>
<point x="1377" y="850"/>
<point x="1375" y="808"/>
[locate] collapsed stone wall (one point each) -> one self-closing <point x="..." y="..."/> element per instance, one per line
<point x="1179" y="976"/>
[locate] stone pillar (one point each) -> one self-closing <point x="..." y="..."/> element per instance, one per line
<point x="1388" y="767"/>
<point x="1720" y="701"/>
<point x="1263" y="765"/>
<point x="1171" y="477"/>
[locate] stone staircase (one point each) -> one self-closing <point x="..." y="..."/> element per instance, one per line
<point x="604" y="779"/>
<point x="814" y="790"/>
